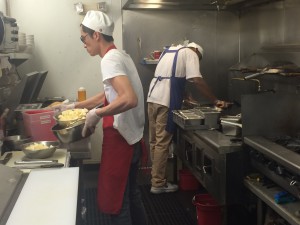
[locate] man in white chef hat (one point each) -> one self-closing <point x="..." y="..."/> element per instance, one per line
<point x="176" y="66"/>
<point x="123" y="122"/>
<point x="197" y="48"/>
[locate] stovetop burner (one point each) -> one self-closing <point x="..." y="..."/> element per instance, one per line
<point x="278" y="159"/>
<point x="291" y="143"/>
<point x="278" y="149"/>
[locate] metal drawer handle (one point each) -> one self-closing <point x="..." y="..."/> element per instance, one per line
<point x="83" y="212"/>
<point x="204" y="168"/>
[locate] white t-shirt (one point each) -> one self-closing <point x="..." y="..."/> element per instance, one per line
<point x="188" y="66"/>
<point x="130" y="124"/>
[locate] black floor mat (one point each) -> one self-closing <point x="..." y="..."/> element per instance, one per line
<point x="165" y="209"/>
<point x="162" y="209"/>
<point x="93" y="216"/>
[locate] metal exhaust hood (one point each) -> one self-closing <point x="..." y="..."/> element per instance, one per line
<point x="193" y="4"/>
<point x="171" y="5"/>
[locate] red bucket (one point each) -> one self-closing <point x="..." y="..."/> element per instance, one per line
<point x="187" y="181"/>
<point x="208" y="210"/>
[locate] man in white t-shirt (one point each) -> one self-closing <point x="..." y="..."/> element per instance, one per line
<point x="177" y="65"/>
<point x="123" y="122"/>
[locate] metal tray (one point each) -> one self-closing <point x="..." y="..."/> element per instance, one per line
<point x="188" y="119"/>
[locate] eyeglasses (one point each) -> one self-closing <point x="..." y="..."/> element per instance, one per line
<point x="82" y="38"/>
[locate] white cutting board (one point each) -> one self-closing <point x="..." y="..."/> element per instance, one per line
<point x="49" y="197"/>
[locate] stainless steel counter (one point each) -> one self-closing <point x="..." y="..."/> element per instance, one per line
<point x="216" y="161"/>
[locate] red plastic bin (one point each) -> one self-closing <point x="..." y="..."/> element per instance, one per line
<point x="38" y="115"/>
<point x="38" y="124"/>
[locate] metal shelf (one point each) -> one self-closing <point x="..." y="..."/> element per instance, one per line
<point x="149" y="61"/>
<point x="16" y="58"/>
<point x="286" y="211"/>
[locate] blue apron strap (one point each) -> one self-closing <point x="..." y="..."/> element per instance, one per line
<point x="159" y="78"/>
<point x="166" y="51"/>
<point x="176" y="94"/>
<point x="175" y="62"/>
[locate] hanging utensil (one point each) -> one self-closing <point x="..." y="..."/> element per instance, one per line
<point x="263" y="72"/>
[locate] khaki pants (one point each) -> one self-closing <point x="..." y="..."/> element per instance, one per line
<point x="159" y="141"/>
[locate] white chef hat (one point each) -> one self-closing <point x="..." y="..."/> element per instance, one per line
<point x="99" y="21"/>
<point x="194" y="45"/>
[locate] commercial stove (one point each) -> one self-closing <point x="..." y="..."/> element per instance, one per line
<point x="279" y="162"/>
<point x="271" y="131"/>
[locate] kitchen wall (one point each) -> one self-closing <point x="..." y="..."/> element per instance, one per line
<point x="272" y="25"/>
<point x="268" y="34"/>
<point x="216" y="31"/>
<point x="55" y="26"/>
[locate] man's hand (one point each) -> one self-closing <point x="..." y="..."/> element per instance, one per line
<point x="222" y="104"/>
<point x="91" y="121"/>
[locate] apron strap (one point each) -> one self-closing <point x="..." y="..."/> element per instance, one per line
<point x="160" y="78"/>
<point x="175" y="62"/>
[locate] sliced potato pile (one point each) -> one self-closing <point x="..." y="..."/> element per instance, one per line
<point x="72" y="114"/>
<point x="54" y="104"/>
<point x="37" y="146"/>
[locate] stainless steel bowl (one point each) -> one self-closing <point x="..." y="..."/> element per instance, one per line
<point x="40" y="154"/>
<point x="14" y="142"/>
<point x="69" y="134"/>
<point x="68" y="123"/>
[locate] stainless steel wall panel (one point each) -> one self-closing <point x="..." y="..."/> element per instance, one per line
<point x="270" y="25"/>
<point x="271" y="114"/>
<point x="291" y="21"/>
<point x="216" y="32"/>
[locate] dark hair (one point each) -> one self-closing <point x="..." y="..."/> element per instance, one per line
<point x="107" y="38"/>
<point x="87" y="30"/>
<point x="90" y="32"/>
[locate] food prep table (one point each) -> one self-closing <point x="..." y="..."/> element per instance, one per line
<point x="39" y="196"/>
<point x="61" y="155"/>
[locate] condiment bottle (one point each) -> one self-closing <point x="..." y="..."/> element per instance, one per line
<point x="81" y="94"/>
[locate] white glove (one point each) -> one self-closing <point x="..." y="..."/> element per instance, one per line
<point x="63" y="106"/>
<point x="92" y="119"/>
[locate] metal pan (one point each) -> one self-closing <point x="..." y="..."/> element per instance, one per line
<point x="231" y="128"/>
